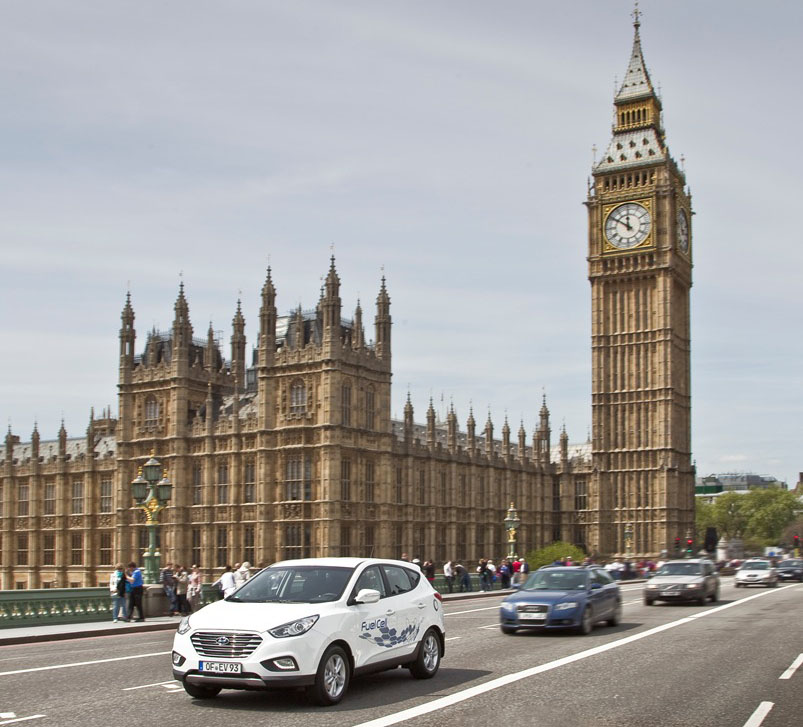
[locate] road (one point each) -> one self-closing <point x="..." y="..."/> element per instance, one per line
<point x="727" y="664"/>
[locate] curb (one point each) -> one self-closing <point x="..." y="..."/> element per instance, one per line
<point x="88" y="632"/>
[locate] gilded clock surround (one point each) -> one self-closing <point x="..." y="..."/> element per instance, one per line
<point x="607" y="246"/>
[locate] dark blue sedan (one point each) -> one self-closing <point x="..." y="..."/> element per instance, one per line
<point x="563" y="598"/>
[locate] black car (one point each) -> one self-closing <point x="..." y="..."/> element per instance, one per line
<point x="790" y="570"/>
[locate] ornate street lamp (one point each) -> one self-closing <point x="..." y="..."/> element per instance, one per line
<point x="151" y="492"/>
<point x="512" y="523"/>
<point x="628" y="539"/>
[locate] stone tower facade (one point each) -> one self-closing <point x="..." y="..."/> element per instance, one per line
<point x="640" y="265"/>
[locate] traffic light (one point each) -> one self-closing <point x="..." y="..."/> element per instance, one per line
<point x="689" y="545"/>
<point x="677" y="544"/>
<point x="795" y="541"/>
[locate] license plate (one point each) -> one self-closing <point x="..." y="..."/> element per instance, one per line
<point x="220" y="667"/>
<point x="532" y="616"/>
<point x="668" y="593"/>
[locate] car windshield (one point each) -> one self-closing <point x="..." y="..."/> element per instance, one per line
<point x="758" y="565"/>
<point x="679" y="569"/>
<point x="791" y="564"/>
<point x="294" y="584"/>
<point x="556" y="581"/>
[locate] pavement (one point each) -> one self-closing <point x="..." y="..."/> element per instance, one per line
<point x="60" y="632"/>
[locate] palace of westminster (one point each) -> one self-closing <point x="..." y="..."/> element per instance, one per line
<point x="294" y="453"/>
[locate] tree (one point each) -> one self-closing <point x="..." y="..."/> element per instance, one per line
<point x="557" y="551"/>
<point x="728" y="515"/>
<point x="769" y="512"/>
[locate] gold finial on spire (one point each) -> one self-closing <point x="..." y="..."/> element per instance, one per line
<point x="636" y="16"/>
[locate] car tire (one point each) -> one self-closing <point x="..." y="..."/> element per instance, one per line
<point x="332" y="677"/>
<point x="715" y="595"/>
<point x="616" y="616"/>
<point x="586" y="622"/>
<point x="648" y="601"/>
<point x="737" y="585"/>
<point x="508" y="629"/>
<point x="701" y="600"/>
<point x="428" y="661"/>
<point x="199" y="691"/>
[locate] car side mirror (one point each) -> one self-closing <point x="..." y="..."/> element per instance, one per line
<point x="595" y="586"/>
<point x="367" y="595"/>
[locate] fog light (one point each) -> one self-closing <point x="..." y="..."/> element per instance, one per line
<point x="281" y="663"/>
<point x="178" y="659"/>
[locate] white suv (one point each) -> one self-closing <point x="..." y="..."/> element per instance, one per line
<point x="312" y="623"/>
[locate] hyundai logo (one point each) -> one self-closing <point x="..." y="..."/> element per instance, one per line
<point x="223" y="641"/>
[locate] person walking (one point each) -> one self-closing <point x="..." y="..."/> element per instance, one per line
<point x="242" y="574"/>
<point x="182" y="579"/>
<point x="194" y="588"/>
<point x="168" y="583"/>
<point x="117" y="584"/>
<point x="428" y="569"/>
<point x="463" y="578"/>
<point x="448" y="574"/>
<point x="226" y="582"/>
<point x="137" y="583"/>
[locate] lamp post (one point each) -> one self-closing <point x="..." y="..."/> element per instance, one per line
<point x="151" y="491"/>
<point x="512" y="523"/>
<point x="628" y="539"/>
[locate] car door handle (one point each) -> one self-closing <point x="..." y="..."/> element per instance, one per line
<point x="389" y="612"/>
<point x="422" y="605"/>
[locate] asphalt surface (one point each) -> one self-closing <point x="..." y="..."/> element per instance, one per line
<point x="720" y="665"/>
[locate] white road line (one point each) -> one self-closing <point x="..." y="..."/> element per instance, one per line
<point x="490" y="626"/>
<point x="451" y="638"/>
<point x="81" y="663"/>
<point x="7" y="715"/>
<point x="757" y="717"/>
<point x="438" y="704"/>
<point x="473" y="610"/>
<point x="793" y="668"/>
<point x="22" y="719"/>
<point x="143" y="686"/>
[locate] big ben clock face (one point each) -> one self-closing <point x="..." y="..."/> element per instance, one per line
<point x="628" y="225"/>
<point x="683" y="231"/>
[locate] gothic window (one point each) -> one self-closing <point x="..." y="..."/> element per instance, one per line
<point x="292" y="479"/>
<point x="248" y="544"/>
<point x="22" y="499"/>
<point x="297" y="541"/>
<point x="422" y="487"/>
<point x="580" y="495"/>
<point x="298" y="398"/>
<point x="345" y="540"/>
<point x="48" y="549"/>
<point x="105" y="549"/>
<point x="76" y="548"/>
<point x="442" y="493"/>
<point x="151" y="412"/>
<point x="22" y="548"/>
<point x="77" y="507"/>
<point x="222" y="547"/>
<point x="399" y="488"/>
<point x="222" y="483"/>
<point x="195" y="547"/>
<point x="105" y="497"/>
<point x="345" y="479"/>
<point x="369" y="409"/>
<point x="369" y="541"/>
<point x="197" y="482"/>
<point x="398" y="532"/>
<point x="463" y="490"/>
<point x="345" y="403"/>
<point x="249" y="491"/>
<point x="369" y="482"/>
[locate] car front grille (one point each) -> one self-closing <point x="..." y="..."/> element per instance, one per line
<point x="533" y="608"/>
<point x="225" y="644"/>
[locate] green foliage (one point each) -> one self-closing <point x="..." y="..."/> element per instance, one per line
<point x="758" y="516"/>
<point x="557" y="551"/>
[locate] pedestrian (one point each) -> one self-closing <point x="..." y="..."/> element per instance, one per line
<point x="242" y="574"/>
<point x="417" y="562"/>
<point x="194" y="588"/>
<point x="168" y="583"/>
<point x="428" y="569"/>
<point x="405" y="557"/>
<point x="463" y="578"/>
<point x="226" y="582"/>
<point x="504" y="574"/>
<point x="182" y="586"/>
<point x="485" y="576"/>
<point x="137" y="583"/>
<point x="117" y="584"/>
<point x="448" y="574"/>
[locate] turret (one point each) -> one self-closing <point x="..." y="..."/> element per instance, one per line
<point x="62" y="441"/>
<point x="382" y="323"/>
<point x="331" y="307"/>
<point x="358" y="333"/>
<point x="210" y="411"/>
<point x="489" y="437"/>
<point x="522" y="450"/>
<point x="182" y="335"/>
<point x="451" y="430"/>
<point x="408" y="420"/>
<point x="10" y="439"/>
<point x="471" y="432"/>
<point x="267" y="351"/>
<point x="564" y="446"/>
<point x="238" y="346"/>
<point x="431" y="426"/>
<point x="298" y="338"/>
<point x="506" y="439"/>
<point x="127" y="335"/>
<point x="210" y="360"/>
<point x="35" y="444"/>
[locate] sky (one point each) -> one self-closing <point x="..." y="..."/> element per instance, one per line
<point x="446" y="144"/>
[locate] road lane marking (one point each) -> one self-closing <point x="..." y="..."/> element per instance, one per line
<point x="439" y="704"/>
<point x="793" y="668"/>
<point x="452" y="638"/>
<point x="22" y="719"/>
<point x="81" y="663"/>
<point x="757" y="717"/>
<point x="143" y="686"/>
<point x="473" y="610"/>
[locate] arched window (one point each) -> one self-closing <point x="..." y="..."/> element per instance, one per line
<point x="298" y="398"/>
<point x="151" y="412"/>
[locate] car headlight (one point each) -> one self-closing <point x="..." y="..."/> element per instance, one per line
<point x="294" y="628"/>
<point x="184" y="625"/>
<point x="566" y="606"/>
<point x="652" y="586"/>
<point x="692" y="585"/>
<point x="508" y="606"/>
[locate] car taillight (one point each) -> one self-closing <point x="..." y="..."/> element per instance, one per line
<point x="439" y="596"/>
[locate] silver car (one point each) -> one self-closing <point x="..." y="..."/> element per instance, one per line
<point x="756" y="572"/>
<point x="683" y="580"/>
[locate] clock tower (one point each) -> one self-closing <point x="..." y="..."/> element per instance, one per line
<point x="639" y="265"/>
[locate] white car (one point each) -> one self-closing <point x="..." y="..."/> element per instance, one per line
<point x="313" y="623"/>
<point x="756" y="572"/>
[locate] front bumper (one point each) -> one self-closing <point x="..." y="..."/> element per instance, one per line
<point x="673" y="594"/>
<point x="245" y="680"/>
<point x="563" y="619"/>
<point x="763" y="581"/>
